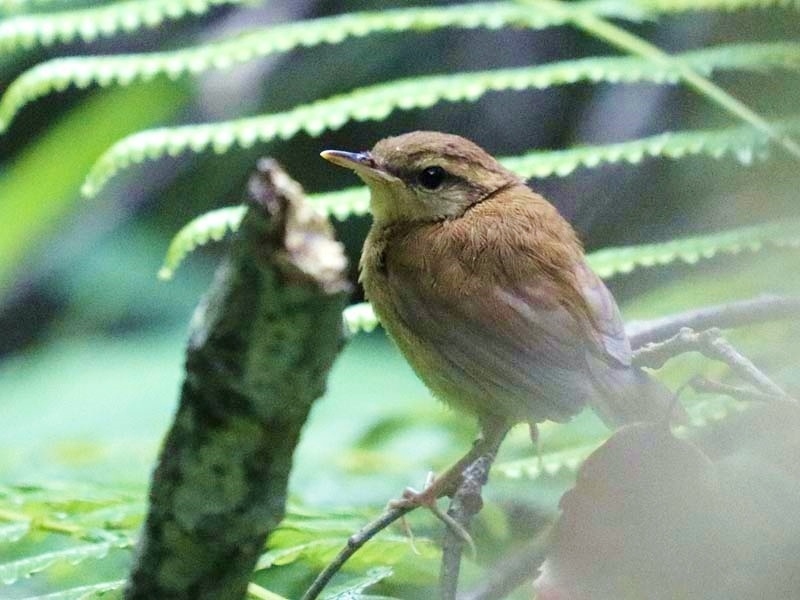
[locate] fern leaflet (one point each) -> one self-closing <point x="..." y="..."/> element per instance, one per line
<point x="612" y="261"/>
<point x="212" y="225"/>
<point x="379" y="101"/>
<point x="88" y="24"/>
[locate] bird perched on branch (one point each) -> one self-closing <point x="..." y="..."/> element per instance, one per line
<point x="485" y="289"/>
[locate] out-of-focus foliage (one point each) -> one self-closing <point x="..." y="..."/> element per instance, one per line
<point x="92" y="342"/>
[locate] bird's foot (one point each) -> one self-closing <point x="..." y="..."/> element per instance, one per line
<point x="435" y="487"/>
<point x="411" y="498"/>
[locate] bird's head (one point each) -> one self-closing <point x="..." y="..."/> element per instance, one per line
<point x="425" y="176"/>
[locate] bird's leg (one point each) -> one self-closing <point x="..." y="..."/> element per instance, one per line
<point x="492" y="434"/>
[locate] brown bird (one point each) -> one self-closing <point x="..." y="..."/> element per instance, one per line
<point x="485" y="289"/>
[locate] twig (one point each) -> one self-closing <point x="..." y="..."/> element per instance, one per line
<point x="711" y="344"/>
<point x="354" y="542"/>
<point x="724" y="316"/>
<point x="703" y="385"/>
<point x="220" y="484"/>
<point x="466" y="503"/>
<point x="445" y="484"/>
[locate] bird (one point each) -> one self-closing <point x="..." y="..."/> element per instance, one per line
<point x="485" y="289"/>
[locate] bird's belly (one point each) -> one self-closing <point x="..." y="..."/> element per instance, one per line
<point x="478" y="371"/>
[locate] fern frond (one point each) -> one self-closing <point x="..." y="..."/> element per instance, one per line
<point x="61" y="73"/>
<point x="744" y="143"/>
<point x="13" y="532"/>
<point x="360" y="318"/>
<point x="612" y="261"/>
<point x="675" y="6"/>
<point x="84" y="592"/>
<point x="379" y="101"/>
<point x="689" y="75"/>
<point x="547" y="463"/>
<point x="343" y="203"/>
<point x="14" y="570"/>
<point x="88" y="24"/>
<point x="354" y="590"/>
<point x="709" y="411"/>
<point x="212" y="225"/>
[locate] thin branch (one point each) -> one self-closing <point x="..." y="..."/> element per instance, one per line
<point x="710" y="343"/>
<point x="467" y="502"/>
<point x="444" y="485"/>
<point x="704" y="385"/>
<point x="724" y="316"/>
<point x="354" y="542"/>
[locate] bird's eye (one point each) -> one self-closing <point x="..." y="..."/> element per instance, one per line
<point x="431" y="177"/>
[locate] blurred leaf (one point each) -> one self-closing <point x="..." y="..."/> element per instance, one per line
<point x="377" y="102"/>
<point x="654" y="516"/>
<point x="352" y="590"/>
<point x="611" y="261"/>
<point x="87" y="24"/>
<point x="41" y="185"/>
<point x="212" y="225"/>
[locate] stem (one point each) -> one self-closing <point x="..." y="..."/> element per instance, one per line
<point x="625" y="40"/>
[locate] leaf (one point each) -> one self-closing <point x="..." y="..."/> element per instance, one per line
<point x="353" y="589"/>
<point x="85" y="592"/>
<point x="547" y="463"/>
<point x="88" y="24"/>
<point x="745" y="143"/>
<point x="376" y="103"/>
<point x="212" y="225"/>
<point x="14" y="570"/>
<point x="612" y="261"/>
<point x="655" y="516"/>
<point x="61" y="73"/>
<point x="40" y="184"/>
<point x="670" y="6"/>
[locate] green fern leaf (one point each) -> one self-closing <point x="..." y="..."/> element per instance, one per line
<point x="353" y="590"/>
<point x="378" y="102"/>
<point x="61" y="73"/>
<point x="344" y="203"/>
<point x="213" y="225"/>
<point x="88" y="24"/>
<point x="13" y="532"/>
<point x="14" y="570"/>
<point x="360" y="318"/>
<point x="612" y="261"/>
<point x="85" y="592"/>
<point x="674" y="6"/>
<point x="745" y="143"/>
<point x="547" y="463"/>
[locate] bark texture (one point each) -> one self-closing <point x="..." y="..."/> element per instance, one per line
<point x="261" y="344"/>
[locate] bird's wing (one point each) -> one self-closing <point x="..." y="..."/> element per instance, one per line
<point x="607" y="324"/>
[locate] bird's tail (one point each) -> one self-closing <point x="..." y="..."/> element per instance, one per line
<point x="629" y="395"/>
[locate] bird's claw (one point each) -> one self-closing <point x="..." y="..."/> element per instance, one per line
<point x="411" y="498"/>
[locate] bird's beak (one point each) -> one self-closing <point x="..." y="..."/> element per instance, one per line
<point x="360" y="162"/>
